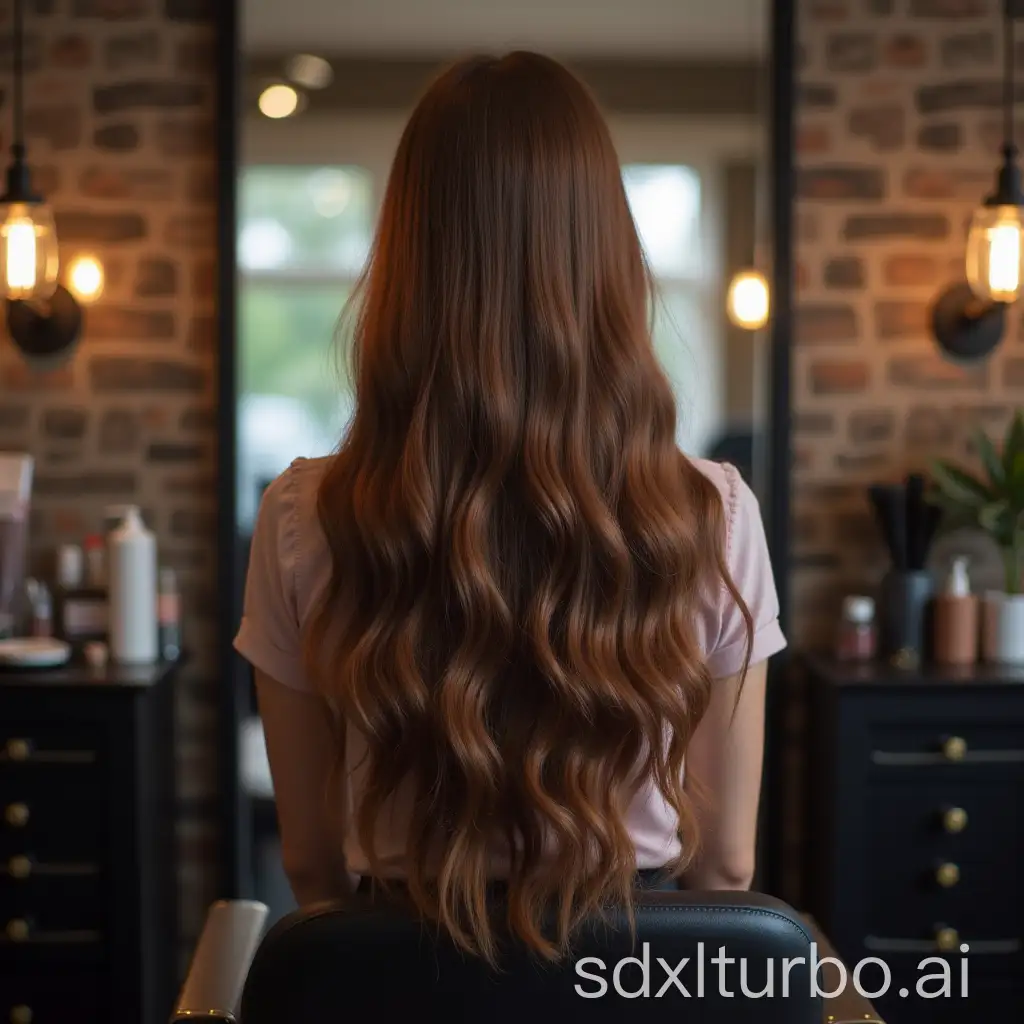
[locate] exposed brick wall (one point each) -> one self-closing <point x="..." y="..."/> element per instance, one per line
<point x="120" y="104"/>
<point x="898" y="128"/>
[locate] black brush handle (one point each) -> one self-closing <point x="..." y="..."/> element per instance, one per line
<point x="917" y="543"/>
<point x="889" y="501"/>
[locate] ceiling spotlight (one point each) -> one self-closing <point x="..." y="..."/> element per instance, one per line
<point x="278" y="101"/>
<point x="309" y="71"/>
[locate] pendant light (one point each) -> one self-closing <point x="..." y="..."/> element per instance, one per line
<point x="969" y="318"/>
<point x="43" y="318"/>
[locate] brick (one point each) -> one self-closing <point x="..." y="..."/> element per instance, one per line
<point x="928" y="427"/>
<point x="119" y="484"/>
<point x="119" y="432"/>
<point x="202" y="334"/>
<point x="804" y="529"/>
<point x="197" y="484"/>
<point x="129" y="325"/>
<point x="968" y="50"/>
<point x="933" y="373"/>
<point x="825" y="324"/>
<point x="146" y="95"/>
<point x="862" y="462"/>
<point x="870" y="426"/>
<point x="830" y="183"/>
<point x="32" y="54"/>
<point x="110" y="374"/>
<point x="110" y="10"/>
<point x="1013" y="373"/>
<point x="801" y="275"/>
<point x="68" y="522"/>
<point x="204" y="279"/>
<point x="905" y="51"/>
<point x="992" y="132"/>
<point x="883" y="126"/>
<point x="201" y="185"/>
<point x="20" y="377"/>
<point x="856" y="527"/>
<point x="815" y="96"/>
<point x="942" y="137"/>
<point x="844" y="272"/>
<point x="895" y="224"/>
<point x="190" y="10"/>
<point x="814" y="424"/>
<point x="117" y="138"/>
<point x="13" y="418"/>
<point x="175" y="452"/>
<point x="901" y="319"/>
<point x="156" y="278"/>
<point x="949" y="9"/>
<point x="193" y="523"/>
<point x="71" y="52"/>
<point x="839" y="376"/>
<point x="126" y="52"/>
<point x="46" y="180"/>
<point x="813" y="139"/>
<point x="198" y="420"/>
<point x="828" y="10"/>
<point x="126" y="183"/>
<point x="186" y="137"/>
<point x="967" y="94"/>
<point x="192" y="231"/>
<point x="64" y="424"/>
<point x="99" y="228"/>
<point x="935" y="183"/>
<point x="878" y="7"/>
<point x="60" y="125"/>
<point x="195" y="56"/>
<point x="851" y="51"/>
<point x="910" y="270"/>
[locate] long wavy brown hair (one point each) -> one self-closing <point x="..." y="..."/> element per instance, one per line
<point x="518" y="547"/>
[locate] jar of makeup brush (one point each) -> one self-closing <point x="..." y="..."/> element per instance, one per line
<point x="857" y="638"/>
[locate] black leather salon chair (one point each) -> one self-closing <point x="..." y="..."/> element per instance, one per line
<point x="369" y="961"/>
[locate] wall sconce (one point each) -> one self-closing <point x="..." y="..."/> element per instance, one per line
<point x="43" y="317"/>
<point x="747" y="301"/>
<point x="968" y="319"/>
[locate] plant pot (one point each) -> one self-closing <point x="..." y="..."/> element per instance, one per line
<point x="904" y="600"/>
<point x="1002" y="630"/>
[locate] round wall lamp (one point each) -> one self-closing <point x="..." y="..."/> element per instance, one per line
<point x="279" y="101"/>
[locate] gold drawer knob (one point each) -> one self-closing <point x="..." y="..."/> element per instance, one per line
<point x="21" y="1015"/>
<point x="19" y="867"/>
<point x="947" y="875"/>
<point x="955" y="748"/>
<point x="16" y="815"/>
<point x="947" y="939"/>
<point x="18" y="749"/>
<point x="954" y="820"/>
<point x="17" y="930"/>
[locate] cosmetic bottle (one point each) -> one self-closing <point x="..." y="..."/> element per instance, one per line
<point x="955" y="622"/>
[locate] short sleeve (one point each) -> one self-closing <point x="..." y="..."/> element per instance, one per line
<point x="268" y="637"/>
<point x="751" y="571"/>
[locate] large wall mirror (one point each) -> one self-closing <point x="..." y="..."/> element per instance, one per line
<point x="697" y="107"/>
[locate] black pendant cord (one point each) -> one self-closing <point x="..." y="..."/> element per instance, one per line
<point x="18" y="142"/>
<point x="1008" y="83"/>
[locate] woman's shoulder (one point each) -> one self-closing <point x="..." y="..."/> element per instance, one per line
<point x="742" y="510"/>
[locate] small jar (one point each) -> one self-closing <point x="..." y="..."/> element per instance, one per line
<point x="857" y="639"/>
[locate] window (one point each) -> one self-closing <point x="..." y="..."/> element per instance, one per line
<point x="304" y="235"/>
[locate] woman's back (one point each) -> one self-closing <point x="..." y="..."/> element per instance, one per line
<point x="508" y="588"/>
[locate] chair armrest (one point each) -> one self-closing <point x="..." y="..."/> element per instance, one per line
<point x="216" y="976"/>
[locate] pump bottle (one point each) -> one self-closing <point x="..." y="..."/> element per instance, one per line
<point x="955" y="624"/>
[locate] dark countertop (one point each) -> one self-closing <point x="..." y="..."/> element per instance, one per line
<point x="79" y="675"/>
<point x="847" y="674"/>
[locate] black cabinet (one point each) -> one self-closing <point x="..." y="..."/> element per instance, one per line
<point x="87" y="877"/>
<point x="916" y="834"/>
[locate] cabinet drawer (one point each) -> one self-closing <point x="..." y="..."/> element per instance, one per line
<point x="60" y="824"/>
<point x="53" y="998"/>
<point x="50" y="912"/>
<point x="44" y="752"/>
<point x="946" y="744"/>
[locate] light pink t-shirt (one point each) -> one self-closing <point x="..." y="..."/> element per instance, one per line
<point x="290" y="564"/>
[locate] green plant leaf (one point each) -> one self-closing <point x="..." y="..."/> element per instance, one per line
<point x="1014" y="443"/>
<point x="990" y="458"/>
<point x="961" y="487"/>
<point x="993" y="517"/>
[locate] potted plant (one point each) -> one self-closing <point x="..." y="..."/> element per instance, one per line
<point x="993" y="501"/>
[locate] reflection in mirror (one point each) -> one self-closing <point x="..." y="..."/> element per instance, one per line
<point x="683" y="88"/>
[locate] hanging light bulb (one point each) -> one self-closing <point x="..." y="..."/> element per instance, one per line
<point x="995" y="253"/>
<point x="747" y="301"/>
<point x="29" y="261"/>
